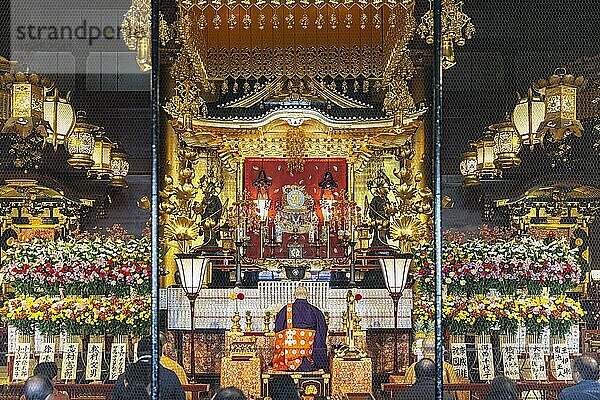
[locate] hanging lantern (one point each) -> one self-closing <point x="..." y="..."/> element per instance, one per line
<point x="119" y="164"/>
<point x="327" y="185"/>
<point x="80" y="143"/>
<point x="102" y="157"/>
<point x="59" y="114"/>
<point x="456" y="29"/>
<point x="136" y="29"/>
<point x="527" y="117"/>
<point x="507" y="143"/>
<point x="468" y="168"/>
<point x="4" y="90"/>
<point x="486" y="169"/>
<point x="26" y="94"/>
<point x="448" y="58"/>
<point x="560" y="96"/>
<point x="263" y="203"/>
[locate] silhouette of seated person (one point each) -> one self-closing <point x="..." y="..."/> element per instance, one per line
<point x="282" y="387"/>
<point x="585" y="375"/>
<point x="424" y="386"/>
<point x="229" y="393"/>
<point x="38" y="387"/>
<point x="449" y="373"/>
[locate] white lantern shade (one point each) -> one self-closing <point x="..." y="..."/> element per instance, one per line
<point x="119" y="165"/>
<point x="60" y="116"/>
<point x="507" y="144"/>
<point x="525" y="125"/>
<point x="191" y="269"/>
<point x="486" y="168"/>
<point x="102" y="158"/>
<point x="468" y="163"/>
<point x="263" y="206"/>
<point x="468" y="168"/>
<point x="326" y="208"/>
<point x="395" y="271"/>
<point x="80" y="144"/>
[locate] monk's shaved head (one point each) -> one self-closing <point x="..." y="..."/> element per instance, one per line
<point x="301" y="292"/>
<point x="37" y="387"/>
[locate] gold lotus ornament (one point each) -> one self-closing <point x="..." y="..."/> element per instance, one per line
<point x="186" y="192"/>
<point x="406" y="193"/>
<point x="408" y="229"/>
<point x="182" y="230"/>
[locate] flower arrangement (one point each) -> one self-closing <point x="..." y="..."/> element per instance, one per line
<point x="243" y="216"/>
<point x="345" y="217"/>
<point x="482" y="314"/>
<point x="88" y="264"/>
<point x="236" y="296"/>
<point x="28" y="235"/>
<point x="78" y="315"/>
<point x="475" y="265"/>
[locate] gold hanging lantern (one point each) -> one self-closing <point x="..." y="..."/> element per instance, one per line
<point x="26" y="94"/>
<point x="102" y="157"/>
<point x="527" y="117"/>
<point x="80" y="143"/>
<point x="136" y="28"/>
<point x="456" y="29"/>
<point x="486" y="169"/>
<point x="560" y="96"/>
<point x="468" y="168"/>
<point x="59" y="114"/>
<point x="295" y="147"/>
<point x="120" y="167"/>
<point x="4" y="92"/>
<point x="507" y="144"/>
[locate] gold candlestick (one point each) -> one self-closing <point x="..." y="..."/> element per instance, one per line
<point x="248" y="322"/>
<point x="236" y="327"/>
<point x="267" y="319"/>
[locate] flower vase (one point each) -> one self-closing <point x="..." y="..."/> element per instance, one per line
<point x="97" y="339"/>
<point x="457" y="339"/>
<point x="508" y="340"/>
<point x="75" y="339"/>
<point x="27" y="339"/>
<point x="481" y="339"/>
<point x="531" y="339"/>
<point x="556" y="339"/>
<point x="236" y="328"/>
<point x="248" y="323"/>
<point x="267" y="329"/>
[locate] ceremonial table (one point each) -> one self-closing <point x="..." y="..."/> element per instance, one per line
<point x="351" y="376"/>
<point x="243" y="374"/>
<point x="246" y="372"/>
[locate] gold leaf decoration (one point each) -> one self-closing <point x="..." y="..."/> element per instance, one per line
<point x="408" y="229"/>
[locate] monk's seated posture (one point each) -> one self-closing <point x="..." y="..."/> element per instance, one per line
<point x="300" y="336"/>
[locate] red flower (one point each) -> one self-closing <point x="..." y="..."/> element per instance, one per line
<point x="240" y="296"/>
<point x="358" y="297"/>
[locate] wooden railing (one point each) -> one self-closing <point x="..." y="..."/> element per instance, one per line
<point x="478" y="391"/>
<point x="92" y="391"/>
